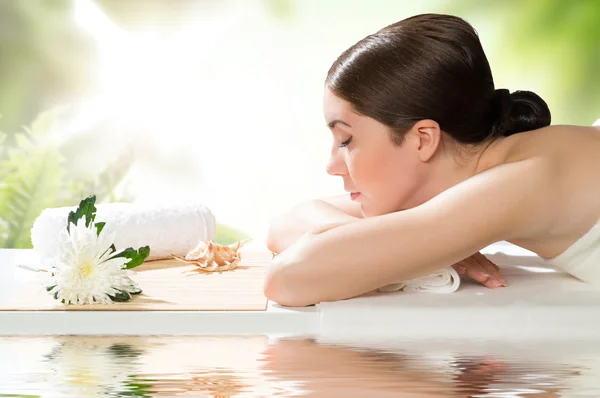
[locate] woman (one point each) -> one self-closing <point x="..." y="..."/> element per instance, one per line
<point x="437" y="164"/>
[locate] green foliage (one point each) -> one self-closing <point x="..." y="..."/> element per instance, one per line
<point x="87" y="210"/>
<point x="135" y="386"/>
<point x="45" y="56"/>
<point x="555" y="38"/>
<point x="2" y="146"/>
<point x="33" y="177"/>
<point x="137" y="257"/>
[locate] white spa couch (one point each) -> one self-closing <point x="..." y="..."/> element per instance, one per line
<point x="537" y="300"/>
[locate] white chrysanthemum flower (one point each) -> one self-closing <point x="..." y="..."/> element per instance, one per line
<point x="82" y="271"/>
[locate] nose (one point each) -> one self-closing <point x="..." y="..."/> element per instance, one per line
<point x="336" y="166"/>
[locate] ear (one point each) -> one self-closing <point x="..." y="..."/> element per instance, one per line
<point x="427" y="137"/>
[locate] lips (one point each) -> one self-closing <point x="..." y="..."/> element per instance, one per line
<point x="354" y="195"/>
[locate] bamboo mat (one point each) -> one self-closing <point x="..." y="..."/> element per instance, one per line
<point x="168" y="285"/>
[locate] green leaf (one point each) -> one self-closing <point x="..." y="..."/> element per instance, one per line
<point x="99" y="228"/>
<point x="86" y="209"/>
<point x="136" y="290"/>
<point x="122" y="296"/>
<point x="137" y="256"/>
<point x="112" y="249"/>
<point x="135" y="386"/>
<point x="125" y="351"/>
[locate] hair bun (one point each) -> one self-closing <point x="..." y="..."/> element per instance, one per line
<point x="517" y="112"/>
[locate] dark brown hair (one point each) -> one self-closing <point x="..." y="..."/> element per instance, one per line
<point x="432" y="66"/>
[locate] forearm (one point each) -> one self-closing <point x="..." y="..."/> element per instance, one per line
<point x="355" y="258"/>
<point x="305" y="217"/>
<point x="348" y="260"/>
<point x="340" y="263"/>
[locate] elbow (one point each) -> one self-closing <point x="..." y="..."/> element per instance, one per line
<point x="272" y="242"/>
<point x="277" y="290"/>
<point x="284" y="230"/>
<point x="274" y="239"/>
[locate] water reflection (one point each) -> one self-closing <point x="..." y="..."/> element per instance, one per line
<point x="93" y="367"/>
<point x="350" y="371"/>
<point x="259" y="366"/>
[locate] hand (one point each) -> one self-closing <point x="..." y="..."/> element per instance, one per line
<point x="480" y="269"/>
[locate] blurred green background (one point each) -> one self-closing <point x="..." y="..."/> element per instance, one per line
<point x="49" y="63"/>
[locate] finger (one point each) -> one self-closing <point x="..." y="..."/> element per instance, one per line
<point x="460" y="268"/>
<point x="490" y="268"/>
<point x="486" y="262"/>
<point x="476" y="271"/>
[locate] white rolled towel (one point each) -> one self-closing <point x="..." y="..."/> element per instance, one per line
<point x="166" y="228"/>
<point x="445" y="280"/>
<point x="596" y="123"/>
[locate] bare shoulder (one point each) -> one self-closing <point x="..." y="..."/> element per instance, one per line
<point x="509" y="201"/>
<point x="561" y="132"/>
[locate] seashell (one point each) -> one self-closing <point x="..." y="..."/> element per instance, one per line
<point x="209" y="256"/>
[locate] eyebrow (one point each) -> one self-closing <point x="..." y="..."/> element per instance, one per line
<point x="332" y="123"/>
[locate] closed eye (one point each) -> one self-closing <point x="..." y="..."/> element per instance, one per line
<point x="345" y="143"/>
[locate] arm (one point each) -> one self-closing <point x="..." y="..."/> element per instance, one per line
<point x="310" y="216"/>
<point x="507" y="202"/>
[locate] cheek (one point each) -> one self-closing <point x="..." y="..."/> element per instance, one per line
<point x="365" y="170"/>
<point x="387" y="181"/>
<point x="362" y="169"/>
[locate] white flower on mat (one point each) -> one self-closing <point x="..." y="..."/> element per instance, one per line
<point x="82" y="272"/>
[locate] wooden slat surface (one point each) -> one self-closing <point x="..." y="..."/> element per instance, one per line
<point x="168" y="285"/>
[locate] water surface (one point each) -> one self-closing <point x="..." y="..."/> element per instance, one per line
<point x="263" y="366"/>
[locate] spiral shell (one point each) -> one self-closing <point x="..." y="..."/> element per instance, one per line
<point x="209" y="256"/>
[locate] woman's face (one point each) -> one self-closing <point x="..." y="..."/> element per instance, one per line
<point x="381" y="176"/>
